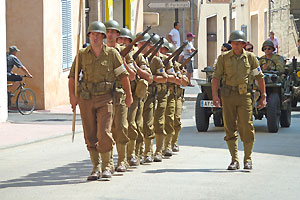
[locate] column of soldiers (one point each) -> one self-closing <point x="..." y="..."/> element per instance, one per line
<point x="128" y="98"/>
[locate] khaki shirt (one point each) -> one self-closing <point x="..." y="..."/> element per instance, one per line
<point x="278" y="61"/>
<point x="106" y="68"/>
<point x="235" y="70"/>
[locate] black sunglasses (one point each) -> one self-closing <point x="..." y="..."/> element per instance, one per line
<point x="248" y="49"/>
<point x="268" y="48"/>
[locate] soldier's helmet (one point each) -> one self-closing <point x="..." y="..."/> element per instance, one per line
<point x="172" y="48"/>
<point x="237" y="36"/>
<point x="166" y="44"/>
<point x="113" y="25"/>
<point x="155" y="39"/>
<point x="126" y="33"/>
<point x="98" y="27"/>
<point x="144" y="38"/>
<point x="268" y="43"/>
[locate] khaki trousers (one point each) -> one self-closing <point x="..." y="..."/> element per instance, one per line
<point x="177" y="116"/>
<point x="237" y="116"/>
<point x="96" y="116"/>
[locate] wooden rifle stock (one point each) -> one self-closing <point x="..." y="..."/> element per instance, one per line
<point x="127" y="49"/>
<point x="189" y="58"/>
<point x="142" y="47"/>
<point x="156" y="50"/>
<point x="151" y="49"/>
<point x="177" y="52"/>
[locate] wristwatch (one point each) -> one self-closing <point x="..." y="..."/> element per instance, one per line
<point x="264" y="94"/>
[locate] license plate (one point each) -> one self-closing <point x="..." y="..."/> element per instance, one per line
<point x="206" y="103"/>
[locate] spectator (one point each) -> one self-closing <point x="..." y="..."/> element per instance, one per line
<point x="187" y="52"/>
<point x="174" y="35"/>
<point x="275" y="42"/>
<point x="248" y="47"/>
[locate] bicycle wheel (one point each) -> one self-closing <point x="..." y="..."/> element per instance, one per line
<point x="26" y="101"/>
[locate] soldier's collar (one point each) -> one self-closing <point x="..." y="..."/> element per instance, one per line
<point x="104" y="49"/>
<point x="244" y="53"/>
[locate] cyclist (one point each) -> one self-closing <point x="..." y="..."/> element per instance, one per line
<point x="12" y="61"/>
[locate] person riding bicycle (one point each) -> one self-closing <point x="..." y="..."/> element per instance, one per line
<point x="268" y="48"/>
<point x="12" y="61"/>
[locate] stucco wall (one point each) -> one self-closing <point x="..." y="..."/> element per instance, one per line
<point x="206" y="11"/>
<point x="24" y="28"/>
<point x="3" y="90"/>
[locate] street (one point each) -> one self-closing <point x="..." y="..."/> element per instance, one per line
<point x="57" y="169"/>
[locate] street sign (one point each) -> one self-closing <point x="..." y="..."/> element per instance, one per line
<point x="182" y="4"/>
<point x="218" y="1"/>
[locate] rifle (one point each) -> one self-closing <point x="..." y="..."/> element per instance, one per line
<point x="152" y="49"/>
<point x="187" y="60"/>
<point x="127" y="49"/>
<point x="76" y="67"/>
<point x="156" y="50"/>
<point x="177" y="52"/>
<point x="142" y="47"/>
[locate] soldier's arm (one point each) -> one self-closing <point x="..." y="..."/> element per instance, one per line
<point x="129" y="69"/>
<point x="262" y="87"/>
<point x="126" y="86"/>
<point x="216" y="81"/>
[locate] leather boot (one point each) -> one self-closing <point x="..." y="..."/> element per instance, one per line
<point x="95" y="159"/>
<point x="106" y="168"/>
<point x="121" y="148"/>
<point x="131" y="157"/>
<point x="148" y="150"/>
<point x="233" y="149"/>
<point x="167" y="147"/>
<point x="159" y="145"/>
<point x="248" y="147"/>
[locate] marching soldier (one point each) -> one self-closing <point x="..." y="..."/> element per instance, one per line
<point x="100" y="66"/>
<point x="237" y="68"/>
<point x="120" y="123"/>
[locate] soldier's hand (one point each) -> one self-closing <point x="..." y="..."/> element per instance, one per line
<point x="262" y="103"/>
<point x="265" y="66"/>
<point x="128" y="100"/>
<point x="216" y="101"/>
<point x="73" y="102"/>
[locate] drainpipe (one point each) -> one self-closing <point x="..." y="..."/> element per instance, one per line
<point x="192" y="16"/>
<point x="230" y="18"/>
<point x="269" y="16"/>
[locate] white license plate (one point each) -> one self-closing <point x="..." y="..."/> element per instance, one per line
<point x="206" y="103"/>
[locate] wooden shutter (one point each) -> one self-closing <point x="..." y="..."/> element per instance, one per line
<point x="66" y="34"/>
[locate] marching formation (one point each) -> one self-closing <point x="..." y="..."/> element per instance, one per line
<point x="129" y="93"/>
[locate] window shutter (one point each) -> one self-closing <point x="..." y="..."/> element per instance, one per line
<point x="66" y="34"/>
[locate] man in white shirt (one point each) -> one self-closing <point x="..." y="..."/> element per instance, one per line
<point x="187" y="52"/>
<point x="174" y="35"/>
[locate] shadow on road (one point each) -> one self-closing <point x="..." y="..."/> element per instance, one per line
<point x="285" y="142"/>
<point x="73" y="173"/>
<point x="158" y="171"/>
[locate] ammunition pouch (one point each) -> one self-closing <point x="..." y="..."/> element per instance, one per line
<point x="86" y="89"/>
<point x="141" y="88"/>
<point x="226" y="90"/>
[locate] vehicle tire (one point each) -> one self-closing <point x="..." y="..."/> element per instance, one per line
<point x="202" y="115"/>
<point x="218" y="119"/>
<point x="285" y="117"/>
<point x="26" y="101"/>
<point x="273" y="112"/>
<point x="294" y="102"/>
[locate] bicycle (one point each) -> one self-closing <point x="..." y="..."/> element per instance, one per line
<point x="26" y="99"/>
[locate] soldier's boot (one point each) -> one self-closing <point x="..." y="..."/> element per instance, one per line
<point x="159" y="145"/>
<point x="148" y="150"/>
<point x="139" y="153"/>
<point x="233" y="149"/>
<point x="248" y="147"/>
<point x="167" y="147"/>
<point x="121" y="148"/>
<point x="131" y="157"/>
<point x="95" y="159"/>
<point x="175" y="147"/>
<point x="106" y="166"/>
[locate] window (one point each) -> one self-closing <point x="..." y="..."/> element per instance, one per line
<point x="66" y="34"/>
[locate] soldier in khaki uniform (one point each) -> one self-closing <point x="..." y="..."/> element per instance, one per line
<point x="237" y="68"/>
<point x="100" y="66"/>
<point x="142" y="77"/>
<point x="174" y="107"/>
<point x="162" y="97"/>
<point x="120" y="123"/>
<point x="159" y="80"/>
<point x="268" y="48"/>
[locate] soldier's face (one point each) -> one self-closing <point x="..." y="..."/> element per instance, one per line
<point x="112" y="35"/>
<point x="268" y="50"/>
<point x="96" y="39"/>
<point x="237" y="46"/>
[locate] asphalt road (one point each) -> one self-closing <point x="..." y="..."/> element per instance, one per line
<point x="57" y="168"/>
